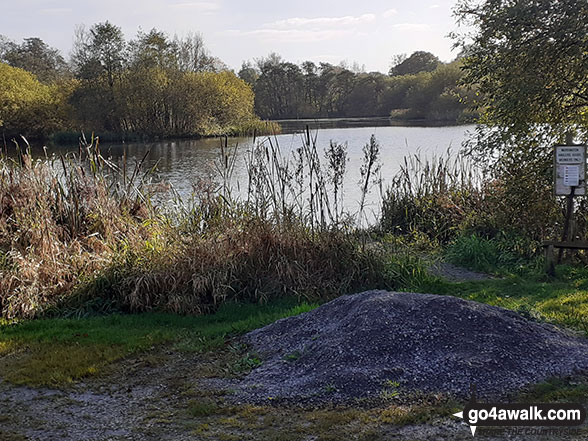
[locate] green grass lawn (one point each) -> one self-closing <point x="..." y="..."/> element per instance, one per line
<point x="562" y="300"/>
<point x="59" y="351"/>
<point x="56" y="351"/>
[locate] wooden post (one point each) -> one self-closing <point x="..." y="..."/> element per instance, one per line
<point x="569" y="138"/>
<point x="566" y="228"/>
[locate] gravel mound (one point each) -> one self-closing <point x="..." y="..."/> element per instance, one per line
<point x="375" y="343"/>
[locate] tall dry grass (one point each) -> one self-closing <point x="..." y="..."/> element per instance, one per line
<point x="58" y="228"/>
<point x="436" y="196"/>
<point x="78" y="233"/>
<point x="444" y="198"/>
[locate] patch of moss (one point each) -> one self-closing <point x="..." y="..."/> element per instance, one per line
<point x="571" y="390"/>
<point x="202" y="408"/>
<point x="6" y="347"/>
<point x="401" y="415"/>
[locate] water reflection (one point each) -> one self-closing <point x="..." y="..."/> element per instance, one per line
<point x="181" y="162"/>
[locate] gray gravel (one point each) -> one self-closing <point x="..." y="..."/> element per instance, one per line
<point x="359" y="346"/>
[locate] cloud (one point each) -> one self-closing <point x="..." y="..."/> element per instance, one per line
<point x="389" y="13"/>
<point x="321" y="22"/>
<point x="411" y="26"/>
<point x="328" y="58"/>
<point x="304" y="30"/>
<point x="200" y="6"/>
<point x="291" y="35"/>
<point x="434" y="6"/>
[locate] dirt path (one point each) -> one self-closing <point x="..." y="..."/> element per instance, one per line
<point x="160" y="397"/>
<point x="137" y="400"/>
<point x="456" y="273"/>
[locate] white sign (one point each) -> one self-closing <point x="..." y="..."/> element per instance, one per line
<point x="571" y="175"/>
<point x="570" y="170"/>
<point x="570" y="154"/>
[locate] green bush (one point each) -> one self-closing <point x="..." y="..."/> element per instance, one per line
<point x="407" y="271"/>
<point x="452" y="198"/>
<point x="481" y="254"/>
<point x="437" y="197"/>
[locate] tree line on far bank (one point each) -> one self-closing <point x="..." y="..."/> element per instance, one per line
<point x="417" y="87"/>
<point x="152" y="85"/>
<point x="159" y="86"/>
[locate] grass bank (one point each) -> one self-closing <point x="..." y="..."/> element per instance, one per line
<point x="562" y="301"/>
<point x="55" y="352"/>
<point x="61" y="350"/>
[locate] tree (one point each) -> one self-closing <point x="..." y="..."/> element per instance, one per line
<point x="311" y="82"/>
<point x="152" y="49"/>
<point x="396" y="60"/>
<point x="99" y="57"/>
<point x="27" y="106"/>
<point x="279" y="89"/>
<point x="5" y="45"/>
<point x="273" y="59"/>
<point x="35" y="56"/>
<point x="101" y="50"/>
<point x="333" y="90"/>
<point x="191" y="54"/>
<point x="437" y="96"/>
<point x="248" y="73"/>
<point x="419" y="61"/>
<point x="530" y="62"/>
<point x="155" y="85"/>
<point x="366" y="96"/>
<point x="227" y="98"/>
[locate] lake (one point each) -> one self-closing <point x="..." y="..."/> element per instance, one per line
<point x="181" y="162"/>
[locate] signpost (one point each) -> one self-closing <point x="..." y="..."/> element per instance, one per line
<point x="570" y="180"/>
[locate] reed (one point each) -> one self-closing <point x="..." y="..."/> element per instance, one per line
<point x="61" y="221"/>
<point x="370" y="172"/>
<point x="80" y="234"/>
<point x="452" y="200"/>
<point x="438" y="196"/>
<point x="302" y="187"/>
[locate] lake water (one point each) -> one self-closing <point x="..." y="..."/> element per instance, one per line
<point x="181" y="162"/>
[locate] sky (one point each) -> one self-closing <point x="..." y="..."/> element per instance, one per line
<point x="367" y="32"/>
